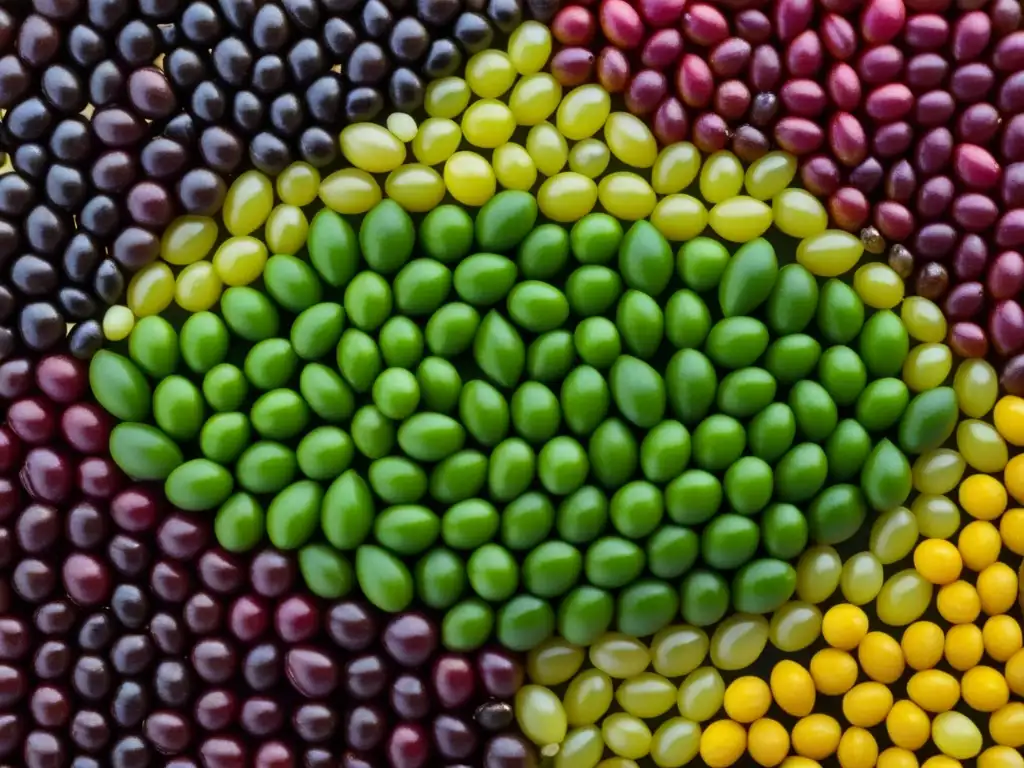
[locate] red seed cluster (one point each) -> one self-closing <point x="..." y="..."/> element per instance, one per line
<point x="128" y="638"/>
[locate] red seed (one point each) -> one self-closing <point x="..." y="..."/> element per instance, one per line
<point x="803" y="98"/>
<point x="975" y="167"/>
<point x="820" y="176"/>
<point x="840" y="6"/>
<point x="1011" y="94"/>
<point x="1011" y="148"/>
<point x="730" y="57"/>
<point x="849" y="209"/>
<point x="645" y="92"/>
<point x="1006" y="16"/>
<point x="892" y="140"/>
<point x="978" y="124"/>
<point x="1012" y="188"/>
<point x="926" y="32"/>
<point x="935" y="197"/>
<point x="844" y="87"/>
<point x="765" y="68"/>
<point x="662" y="49"/>
<point x="969" y="340"/>
<point x="612" y="69"/>
<point x="972" y="82"/>
<point x="1005" y="278"/>
<point x="964" y="301"/>
<point x="798" y="135"/>
<point x="705" y="25"/>
<point x="928" y="6"/>
<point x="574" y="25"/>
<point x="753" y="26"/>
<point x="935" y="241"/>
<point x="926" y="71"/>
<point x="933" y="151"/>
<point x="894" y="221"/>
<point x="970" y="258"/>
<point x="971" y="35"/>
<point x="694" y="81"/>
<point x="839" y="36"/>
<point x="1009" y="53"/>
<point x="792" y="17"/>
<point x="621" y="23"/>
<point x="670" y="123"/>
<point x="882" y="64"/>
<point x="934" y="108"/>
<point x="901" y="182"/>
<point x="1006" y="327"/>
<point x="867" y="176"/>
<point x="975" y="212"/>
<point x="1010" y="230"/>
<point x="804" y="56"/>
<point x="732" y="99"/>
<point x="888" y="103"/>
<point x="882" y="20"/>
<point x="572" y="66"/>
<point x="710" y="133"/>
<point x="847" y="139"/>
<point x="749" y="144"/>
<point x="661" y="13"/>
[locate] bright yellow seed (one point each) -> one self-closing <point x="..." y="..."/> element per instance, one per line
<point x="881" y="657"/>
<point x="540" y="715"/>
<point x="679" y="217"/>
<point x="437" y="139"/>
<point x="198" y="287"/>
<point x="118" y="322"/>
<point x="1009" y="418"/>
<point x="469" y="178"/>
<point x="350" y="191"/>
<point x="371" y="147"/>
<point x="922" y="644"/>
<point x="630" y="140"/>
<point x="188" y="239"/>
<point x="583" y="112"/>
<point x="1002" y="637"/>
<point x="956" y="736"/>
<point x="487" y="123"/>
<point x="964" y="646"/>
<point x="857" y="749"/>
<point x="923" y="319"/>
<point x="547" y="147"/>
<point x="938" y="561"/>
<point x="567" y="197"/>
<point x="722" y="744"/>
<point x="298" y="183"/>
<point x="830" y="253"/>
<point x="747" y="699"/>
<point x="793" y="688"/>
<point x="1006" y="725"/>
<point x="741" y="219"/>
<point x="816" y="736"/>
<point x="834" y="671"/>
<point x="908" y="725"/>
<point x="417" y="188"/>
<point x="933" y="690"/>
<point x="240" y="260"/>
<point x="798" y="213"/>
<point x="446" y="97"/>
<point x="626" y="196"/>
<point x="402" y="125"/>
<point x="490" y="73"/>
<point x="867" y="704"/>
<point x="535" y="98"/>
<point x="675" y="168"/>
<point x="529" y="47"/>
<point x="286" y="229"/>
<point x="769" y="175"/>
<point x="513" y="167"/>
<point x="589" y="157"/>
<point x="844" y="626"/>
<point x="958" y="602"/>
<point x="247" y="203"/>
<point x="151" y="290"/>
<point x="767" y="742"/>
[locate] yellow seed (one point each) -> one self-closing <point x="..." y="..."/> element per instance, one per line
<point x="529" y="47"/>
<point x="547" y="147"/>
<point x="844" y="626"/>
<point x="567" y="197"/>
<point x="350" y="191"/>
<point x="298" y="183"/>
<point x="721" y="177"/>
<point x="513" y="167"/>
<point x="878" y="285"/>
<point x="488" y="123"/>
<point x="582" y="748"/>
<point x="979" y="544"/>
<point x="247" y="203"/>
<point x="490" y="73"/>
<point x="794" y="626"/>
<point x="198" y="287"/>
<point x="867" y="704"/>
<point x="535" y="98"/>
<point x="1000" y="757"/>
<point x="188" y="239"/>
<point x="286" y="229"/>
<point x="798" y="213"/>
<point x="588" y="697"/>
<point x="1006" y="725"/>
<point x="738" y="641"/>
<point x="417" y="188"/>
<point x="619" y="656"/>
<point x="630" y="140"/>
<point x="1002" y="637"/>
<point x="908" y="725"/>
<point x="747" y="699"/>
<point x="679" y="217"/>
<point x="437" y="139"/>
<point x="118" y="322"/>
<point x="895" y="757"/>
<point x="722" y="744"/>
<point x="741" y="219"/>
<point x="922" y="644"/>
<point x="767" y="742"/>
<point x="816" y="736"/>
<point x="240" y="260"/>
<point x="956" y="736"/>
<point x="769" y="175"/>
<point x="540" y="715"/>
<point x="793" y="688"/>
<point x="964" y="646"/>
<point x="589" y="157"/>
<point x="675" y="168"/>
<point x="830" y="253"/>
<point x="647" y="695"/>
<point x="626" y="196"/>
<point x="446" y="97"/>
<point x="151" y="290"/>
<point x="834" y="671"/>
<point x="371" y="147"/>
<point x="701" y="694"/>
<point x="583" y="112"/>
<point x="675" y="743"/>
<point x="958" y="602"/>
<point x="881" y="657"/>
<point x="984" y="689"/>
<point x="679" y="649"/>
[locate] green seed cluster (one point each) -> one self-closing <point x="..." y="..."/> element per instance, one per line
<point x="500" y="413"/>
